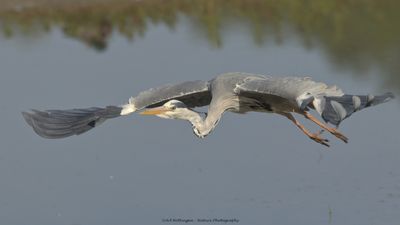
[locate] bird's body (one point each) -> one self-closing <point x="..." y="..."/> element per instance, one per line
<point x="234" y="92"/>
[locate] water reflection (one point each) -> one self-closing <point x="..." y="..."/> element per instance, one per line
<point x="359" y="35"/>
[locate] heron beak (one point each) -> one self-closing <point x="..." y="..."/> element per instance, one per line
<point x="155" y="111"/>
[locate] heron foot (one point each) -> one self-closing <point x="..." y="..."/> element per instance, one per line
<point x="331" y="130"/>
<point x="339" y="135"/>
<point x="317" y="138"/>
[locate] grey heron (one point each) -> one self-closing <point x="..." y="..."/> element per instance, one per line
<point x="234" y="92"/>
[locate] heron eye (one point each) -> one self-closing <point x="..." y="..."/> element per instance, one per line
<point x="173" y="107"/>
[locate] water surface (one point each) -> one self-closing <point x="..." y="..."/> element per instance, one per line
<point x="257" y="168"/>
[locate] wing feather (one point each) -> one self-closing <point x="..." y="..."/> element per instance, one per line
<point x="294" y="90"/>
<point x="192" y="93"/>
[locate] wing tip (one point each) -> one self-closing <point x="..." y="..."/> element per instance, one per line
<point x="389" y="96"/>
<point x="27" y="117"/>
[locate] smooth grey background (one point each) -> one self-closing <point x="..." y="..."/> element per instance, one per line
<point x="257" y="168"/>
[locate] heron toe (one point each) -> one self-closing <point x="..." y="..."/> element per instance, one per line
<point x="317" y="138"/>
<point x="340" y="136"/>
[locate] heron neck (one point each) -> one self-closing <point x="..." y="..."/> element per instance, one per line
<point x="203" y="126"/>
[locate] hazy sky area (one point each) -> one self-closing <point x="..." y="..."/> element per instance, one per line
<point x="257" y="168"/>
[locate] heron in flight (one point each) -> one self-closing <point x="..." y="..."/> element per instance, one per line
<point x="234" y="92"/>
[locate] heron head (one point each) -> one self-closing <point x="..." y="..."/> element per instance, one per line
<point x="175" y="109"/>
<point x="172" y="109"/>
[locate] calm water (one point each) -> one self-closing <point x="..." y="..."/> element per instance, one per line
<point x="256" y="168"/>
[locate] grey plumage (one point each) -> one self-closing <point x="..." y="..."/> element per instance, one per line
<point x="234" y="92"/>
<point x="289" y="88"/>
<point x="295" y="93"/>
<point x="339" y="108"/>
<point x="193" y="93"/>
<point x="64" y="123"/>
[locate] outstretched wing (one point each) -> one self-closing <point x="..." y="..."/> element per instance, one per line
<point x="299" y="93"/>
<point x="192" y="93"/>
<point x="65" y="123"/>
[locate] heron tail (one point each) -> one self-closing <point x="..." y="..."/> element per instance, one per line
<point x="64" y="123"/>
<point x="336" y="109"/>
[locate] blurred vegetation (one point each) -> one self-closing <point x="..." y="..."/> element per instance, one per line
<point x="356" y="34"/>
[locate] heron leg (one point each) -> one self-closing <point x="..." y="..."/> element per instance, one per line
<point x="315" y="137"/>
<point x="326" y="127"/>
